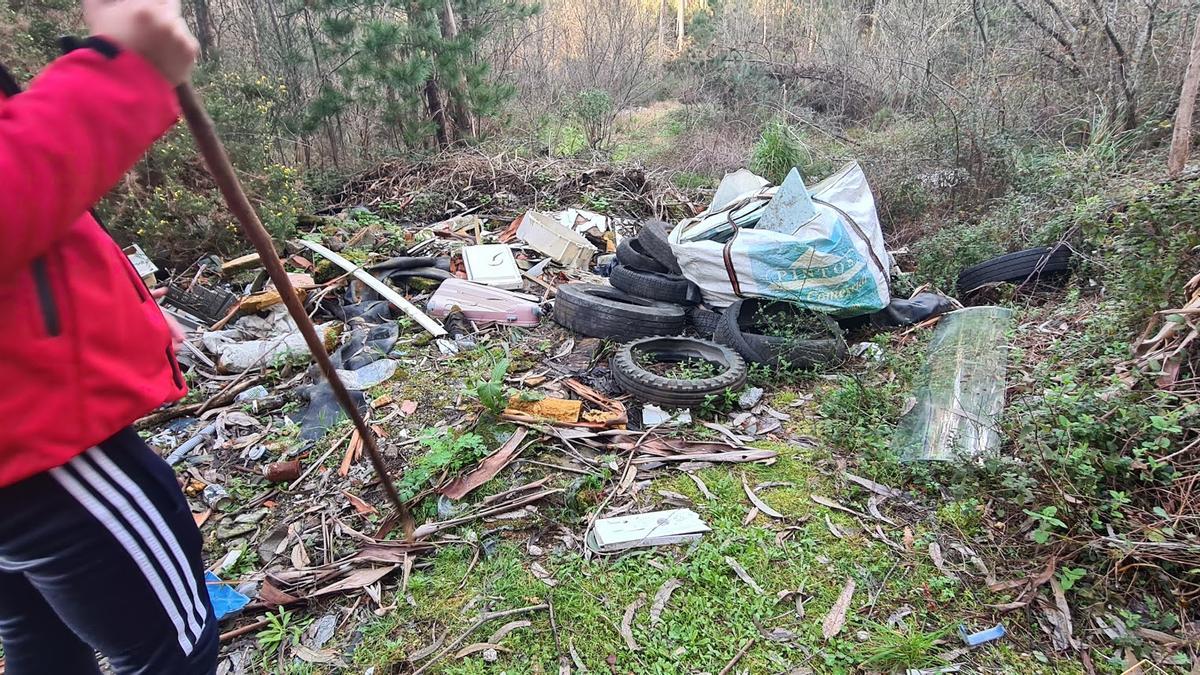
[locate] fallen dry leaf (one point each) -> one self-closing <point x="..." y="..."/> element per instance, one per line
<point x="909" y="540"/>
<point x="837" y="506"/>
<point x="701" y="486"/>
<point x="759" y="503"/>
<point x="488" y="468"/>
<point x="627" y="622"/>
<point x="359" y="505"/>
<point x="506" y="629"/>
<point x="836" y="618"/>
<point x="744" y="575"/>
<point x="356" y="579"/>
<point x="661" y="598"/>
<point x="542" y="575"/>
<point x="935" y="554"/>
<point x="750" y="516"/>
<point x="478" y="647"/>
<point x="877" y="488"/>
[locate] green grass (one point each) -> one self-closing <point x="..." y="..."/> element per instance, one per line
<point x="712" y="614"/>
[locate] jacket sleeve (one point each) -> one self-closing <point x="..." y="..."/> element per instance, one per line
<point x="67" y="140"/>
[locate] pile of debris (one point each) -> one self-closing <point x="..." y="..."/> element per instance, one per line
<point x="766" y="276"/>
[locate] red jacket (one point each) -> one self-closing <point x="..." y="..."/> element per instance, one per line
<point x="84" y="350"/>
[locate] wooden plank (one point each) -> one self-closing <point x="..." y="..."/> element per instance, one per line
<point x="383" y="289"/>
<point x="240" y="263"/>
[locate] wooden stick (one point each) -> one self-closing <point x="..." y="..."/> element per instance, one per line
<point x="222" y="171"/>
<point x="248" y="628"/>
<point x="737" y="657"/>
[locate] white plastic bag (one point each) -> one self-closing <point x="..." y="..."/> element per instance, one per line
<point x="835" y="263"/>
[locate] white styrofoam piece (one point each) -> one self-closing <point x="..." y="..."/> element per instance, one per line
<point x="646" y="529"/>
<point x="492" y="265"/>
<point x="564" y="245"/>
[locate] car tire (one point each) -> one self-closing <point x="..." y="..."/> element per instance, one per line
<point x="653" y="239"/>
<point x="655" y="286"/>
<point x="703" y="320"/>
<point x="650" y="387"/>
<point x="1019" y="267"/>
<point x="606" y="312"/>
<point x="631" y="254"/>
<point x="736" y="331"/>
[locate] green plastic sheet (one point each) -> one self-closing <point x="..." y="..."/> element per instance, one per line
<point x="960" y="391"/>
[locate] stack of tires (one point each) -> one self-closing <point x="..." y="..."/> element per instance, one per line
<point x="648" y="302"/>
<point x="649" y="294"/>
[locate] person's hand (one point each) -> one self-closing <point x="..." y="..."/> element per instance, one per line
<point x="153" y="28"/>
<point x="177" y="333"/>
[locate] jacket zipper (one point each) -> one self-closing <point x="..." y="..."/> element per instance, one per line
<point x="45" y="293"/>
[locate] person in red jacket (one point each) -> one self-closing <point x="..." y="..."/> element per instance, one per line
<point x="98" y="548"/>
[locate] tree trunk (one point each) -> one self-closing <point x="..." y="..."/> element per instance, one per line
<point x="662" y="26"/>
<point x="204" y="34"/>
<point x="460" y="107"/>
<point x="1181" y="138"/>
<point x="679" y="25"/>
<point x="437" y="112"/>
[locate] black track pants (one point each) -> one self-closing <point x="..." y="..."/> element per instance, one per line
<point x="102" y="555"/>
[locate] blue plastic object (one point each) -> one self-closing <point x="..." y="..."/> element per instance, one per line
<point x="225" y="599"/>
<point x="976" y="639"/>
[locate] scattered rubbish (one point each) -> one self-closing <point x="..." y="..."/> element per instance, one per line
<point x="981" y="637"/>
<point x="376" y="372"/>
<point x="836" y="618"/>
<point x="550" y="237"/>
<point x="482" y="304"/>
<point x="867" y="350"/>
<point x="813" y="340"/>
<point x="658" y="528"/>
<point x="654" y="416"/>
<point x="273" y="337"/>
<point x="960" y="391"/>
<point x="605" y="312"/>
<point x="557" y="409"/>
<point x="282" y="472"/>
<point x="191" y="444"/>
<point x="215" y="496"/>
<point x="142" y="264"/>
<point x="255" y="393"/>
<point x="492" y="265"/>
<point x="736" y="185"/>
<point x="378" y="286"/>
<point x="226" y="601"/>
<point x="209" y="305"/>
<point x="920" y="307"/>
<point x="241" y="263"/>
<point x="750" y="397"/>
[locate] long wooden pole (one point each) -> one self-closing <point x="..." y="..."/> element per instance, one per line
<point x="211" y="148"/>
